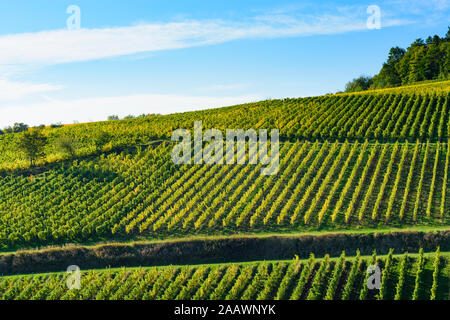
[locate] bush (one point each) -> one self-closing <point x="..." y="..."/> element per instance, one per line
<point x="359" y="84"/>
<point x="67" y="145"/>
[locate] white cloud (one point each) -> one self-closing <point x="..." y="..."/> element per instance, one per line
<point x="64" y="46"/>
<point x="428" y="12"/>
<point x="11" y="90"/>
<point x="420" y="6"/>
<point x="23" y="52"/>
<point x="97" y="109"/>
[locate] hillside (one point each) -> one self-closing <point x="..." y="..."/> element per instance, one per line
<point x="388" y="115"/>
<point x="347" y="161"/>
<point x="405" y="277"/>
<point x="352" y="168"/>
<point x="321" y="185"/>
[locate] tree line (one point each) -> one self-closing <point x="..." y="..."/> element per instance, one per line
<point x="421" y="61"/>
<point x="33" y="142"/>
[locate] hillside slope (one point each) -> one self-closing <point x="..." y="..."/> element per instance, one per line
<point x="320" y="186"/>
<point x="406" y="277"/>
<point x="399" y="114"/>
<point x="346" y="161"/>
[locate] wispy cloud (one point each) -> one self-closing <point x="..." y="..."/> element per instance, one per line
<point x="24" y="52"/>
<point x="64" y="46"/>
<point x="420" y="7"/>
<point x="12" y="90"/>
<point x="424" y="12"/>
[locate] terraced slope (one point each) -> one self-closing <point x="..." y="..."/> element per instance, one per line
<point x="141" y="193"/>
<point x="404" y="277"/>
<point x="372" y="160"/>
<point x="415" y="112"/>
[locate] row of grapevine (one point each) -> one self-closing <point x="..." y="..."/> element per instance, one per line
<point x="318" y="185"/>
<point x="408" y="276"/>
<point x="387" y="116"/>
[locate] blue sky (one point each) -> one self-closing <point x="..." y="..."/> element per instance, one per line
<point x="136" y="56"/>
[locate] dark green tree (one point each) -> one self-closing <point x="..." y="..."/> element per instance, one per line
<point x="359" y="84"/>
<point x="423" y="60"/>
<point x="32" y="144"/>
<point x="19" y="127"/>
<point x="417" y="66"/>
<point x="395" y="54"/>
<point x="389" y="74"/>
<point x="431" y="61"/>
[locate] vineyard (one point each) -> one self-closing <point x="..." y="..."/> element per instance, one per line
<point x="320" y="186"/>
<point x="420" y="112"/>
<point x="352" y="168"/>
<point x="404" y="277"/>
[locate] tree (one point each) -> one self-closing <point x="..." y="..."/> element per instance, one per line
<point x="395" y="54"/>
<point x="32" y="143"/>
<point x="417" y="66"/>
<point x="101" y="140"/>
<point x="445" y="69"/>
<point x="391" y="75"/>
<point x="423" y="60"/>
<point x="19" y="127"/>
<point x="113" y="117"/>
<point x="67" y="144"/>
<point x="359" y="84"/>
<point x="418" y="43"/>
<point x="432" y="60"/>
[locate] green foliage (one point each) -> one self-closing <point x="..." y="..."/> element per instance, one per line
<point x="436" y="265"/>
<point x="359" y="84"/>
<point x="402" y="277"/>
<point x="67" y="145"/>
<point x="101" y="139"/>
<point x="418" y="283"/>
<point x="386" y="116"/>
<point x="142" y="193"/>
<point x="354" y="271"/>
<point x="386" y="275"/>
<point x="315" y="293"/>
<point x="365" y="290"/>
<point x="421" y="61"/>
<point x="32" y="144"/>
<point x="337" y="273"/>
<point x="249" y="280"/>
<point x="113" y="117"/>
<point x="307" y="270"/>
